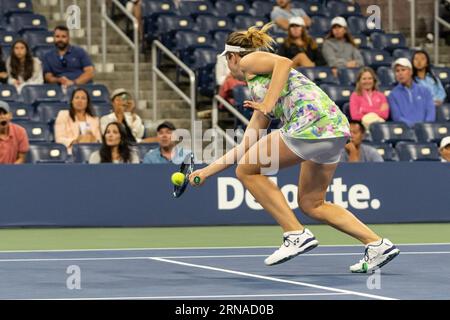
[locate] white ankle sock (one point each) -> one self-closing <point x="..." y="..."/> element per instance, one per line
<point x="286" y="234"/>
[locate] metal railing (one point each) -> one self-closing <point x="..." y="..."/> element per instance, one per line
<point x="62" y="12"/>
<point x="437" y="21"/>
<point x="133" y="44"/>
<point x="156" y="72"/>
<point x="215" y="120"/>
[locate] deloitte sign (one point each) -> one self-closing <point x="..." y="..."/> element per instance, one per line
<point x="232" y="194"/>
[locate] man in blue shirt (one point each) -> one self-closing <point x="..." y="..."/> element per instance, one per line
<point x="281" y="14"/>
<point x="168" y="151"/>
<point x="67" y="65"/>
<point x="410" y="102"/>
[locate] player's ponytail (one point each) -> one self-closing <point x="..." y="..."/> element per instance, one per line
<point x="252" y="39"/>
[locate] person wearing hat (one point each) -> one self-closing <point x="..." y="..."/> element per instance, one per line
<point x="444" y="149"/>
<point x="168" y="151"/>
<point x="339" y="48"/>
<point x="299" y="46"/>
<point x="410" y="102"/>
<point x="14" y="143"/>
<point x="283" y="11"/>
<point x="123" y="112"/>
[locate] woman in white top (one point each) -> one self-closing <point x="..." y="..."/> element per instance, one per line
<point x="22" y="67"/>
<point x="116" y="147"/>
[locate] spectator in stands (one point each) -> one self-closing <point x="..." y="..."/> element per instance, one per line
<point x="124" y="113"/>
<point x="168" y="151"/>
<point x="135" y="8"/>
<point x="67" y="65"/>
<point x="339" y="48"/>
<point x="300" y="47"/>
<point x="115" y="148"/>
<point x="444" y="149"/>
<point x="367" y="104"/>
<point x="423" y="75"/>
<point x="3" y="71"/>
<point x="281" y="14"/>
<point x="225" y="80"/>
<point x="410" y="102"/>
<point x="22" y="67"/>
<point x="78" y="124"/>
<point x="355" y="150"/>
<point x="13" y="138"/>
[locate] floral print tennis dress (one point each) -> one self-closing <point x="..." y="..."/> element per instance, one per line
<point x="305" y="110"/>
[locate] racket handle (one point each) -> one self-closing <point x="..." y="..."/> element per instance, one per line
<point x="197" y="180"/>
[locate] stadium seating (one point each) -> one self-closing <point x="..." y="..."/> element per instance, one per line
<point x="312" y="8"/>
<point x="36" y="131"/>
<point x="243" y="22"/>
<point x="187" y="41"/>
<point x="27" y="21"/>
<point x="361" y="41"/>
<point x="417" y="151"/>
<point x="101" y="109"/>
<point x="36" y="38"/>
<point x="7" y="38"/>
<point x="375" y="58"/>
<point x="220" y="38"/>
<point x="82" y="151"/>
<point x="21" y="111"/>
<point x="97" y="92"/>
<point x="232" y="8"/>
<point x="47" y="112"/>
<point x="153" y="8"/>
<point x="34" y="94"/>
<point x="261" y="7"/>
<point x="431" y="132"/>
<point x="196" y="8"/>
<point x="211" y="24"/>
<point x="8" y="93"/>
<point x="47" y="153"/>
<point x="359" y="25"/>
<point x="402" y="53"/>
<point x="386" y="76"/>
<point x="339" y="94"/>
<point x="41" y="50"/>
<point x="386" y="151"/>
<point x="320" y="25"/>
<point x="388" y="41"/>
<point x="443" y="74"/>
<point x="443" y="112"/>
<point x="348" y="76"/>
<point x="391" y="132"/>
<point x="338" y="8"/>
<point x="320" y="75"/>
<point x="16" y="6"/>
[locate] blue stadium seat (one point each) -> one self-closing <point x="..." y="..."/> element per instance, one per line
<point x="391" y="132"/>
<point x="386" y="151"/>
<point x="168" y="25"/>
<point x="47" y="112"/>
<point x="338" y="8"/>
<point x="232" y="8"/>
<point x="34" y="94"/>
<point x="8" y="93"/>
<point x="101" y="109"/>
<point x="318" y="37"/>
<point x="320" y="75"/>
<point x="21" y="111"/>
<point x="9" y="7"/>
<point x="261" y="8"/>
<point x="7" y="38"/>
<point x="361" y="41"/>
<point x="376" y="58"/>
<point x="388" y="41"/>
<point x="143" y="148"/>
<point x="204" y="57"/>
<point x="41" y="50"/>
<point x="386" y="76"/>
<point x="402" y="53"/>
<point x="243" y="22"/>
<point x="359" y="25"/>
<point x="153" y="8"/>
<point x="212" y="24"/>
<point x="320" y="25"/>
<point x="443" y="112"/>
<point x="187" y="41"/>
<point x="443" y="73"/>
<point x="97" y="92"/>
<point x="339" y="94"/>
<point x="348" y="76"/>
<point x="417" y="151"/>
<point x="82" y="151"/>
<point x="220" y="38"/>
<point x="432" y="132"/>
<point x="6" y="52"/>
<point x="47" y="153"/>
<point x="36" y="38"/>
<point x="27" y="21"/>
<point x="311" y="8"/>
<point x="36" y="131"/>
<point x="447" y="90"/>
<point x="196" y="8"/>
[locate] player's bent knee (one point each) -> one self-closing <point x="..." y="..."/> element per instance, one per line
<point x="311" y="208"/>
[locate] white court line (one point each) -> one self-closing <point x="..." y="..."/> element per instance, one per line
<point x="210" y="248"/>
<point x="201" y="257"/>
<point x="303" y="284"/>
<point x="208" y="297"/>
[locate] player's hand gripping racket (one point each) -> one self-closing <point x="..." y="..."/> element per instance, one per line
<point x="186" y="168"/>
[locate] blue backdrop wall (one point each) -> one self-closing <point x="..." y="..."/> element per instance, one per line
<point x="140" y="195"/>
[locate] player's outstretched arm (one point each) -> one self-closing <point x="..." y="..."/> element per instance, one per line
<point x="251" y="136"/>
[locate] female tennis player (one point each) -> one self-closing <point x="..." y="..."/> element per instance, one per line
<point x="313" y="134"/>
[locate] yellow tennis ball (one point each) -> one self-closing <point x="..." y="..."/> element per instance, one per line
<point x="178" y="178"/>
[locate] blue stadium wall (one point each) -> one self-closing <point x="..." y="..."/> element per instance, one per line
<point x="140" y="195"/>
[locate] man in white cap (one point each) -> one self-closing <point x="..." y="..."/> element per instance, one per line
<point x="410" y="102"/>
<point x="13" y="138"/>
<point x="283" y="11"/>
<point x="339" y="49"/>
<point x="444" y="149"/>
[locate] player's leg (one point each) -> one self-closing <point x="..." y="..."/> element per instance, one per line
<point x="296" y="239"/>
<point x="313" y="183"/>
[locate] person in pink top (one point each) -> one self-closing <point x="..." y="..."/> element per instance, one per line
<point x="367" y="104"/>
<point x="13" y="138"/>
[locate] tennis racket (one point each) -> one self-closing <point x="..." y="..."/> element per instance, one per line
<point x="186" y="168"/>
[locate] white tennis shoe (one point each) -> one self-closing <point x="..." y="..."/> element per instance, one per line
<point x="376" y="255"/>
<point x="293" y="245"/>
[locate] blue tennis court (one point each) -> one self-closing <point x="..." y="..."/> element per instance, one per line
<point x="419" y="272"/>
